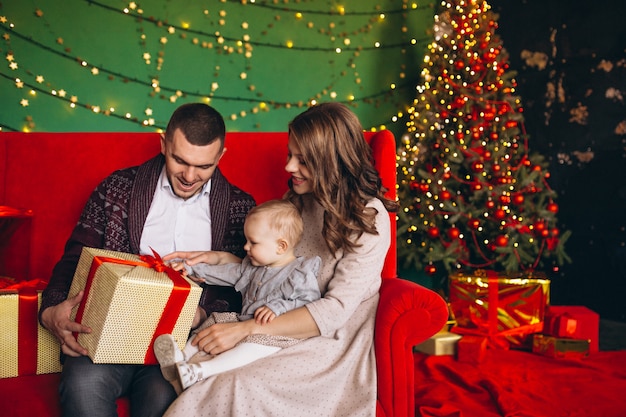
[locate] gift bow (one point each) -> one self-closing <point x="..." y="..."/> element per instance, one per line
<point x="175" y="301"/>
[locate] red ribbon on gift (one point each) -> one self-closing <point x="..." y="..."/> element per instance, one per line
<point x="28" y="322"/>
<point x="173" y="307"/>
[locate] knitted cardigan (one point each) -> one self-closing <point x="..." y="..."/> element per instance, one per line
<point x="114" y="216"/>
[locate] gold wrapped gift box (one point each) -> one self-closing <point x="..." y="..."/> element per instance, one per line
<point x="505" y="308"/>
<point x="25" y="346"/>
<point x="130" y="300"/>
<point x="442" y="343"/>
<point x="562" y="348"/>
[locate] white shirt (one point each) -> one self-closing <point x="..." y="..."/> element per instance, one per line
<point x="174" y="224"/>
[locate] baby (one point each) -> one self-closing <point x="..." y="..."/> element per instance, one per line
<point x="271" y="279"/>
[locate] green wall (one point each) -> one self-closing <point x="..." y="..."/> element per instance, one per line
<point x="79" y="65"/>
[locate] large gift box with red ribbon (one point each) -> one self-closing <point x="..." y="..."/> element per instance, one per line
<point x="504" y="308"/>
<point x="26" y="347"/>
<point x="129" y="300"/>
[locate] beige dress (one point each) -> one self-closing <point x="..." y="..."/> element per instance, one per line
<point x="330" y="375"/>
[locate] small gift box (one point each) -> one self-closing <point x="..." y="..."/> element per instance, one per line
<point x="505" y="308"/>
<point x="442" y="343"/>
<point x="471" y="349"/>
<point x="556" y="347"/>
<point x="129" y="301"/>
<point x="15" y="240"/>
<point x="25" y="346"/>
<point x="573" y="322"/>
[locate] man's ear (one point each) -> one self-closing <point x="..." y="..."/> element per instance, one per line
<point x="282" y="246"/>
<point x="162" y="143"/>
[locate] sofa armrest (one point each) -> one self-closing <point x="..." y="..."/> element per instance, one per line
<point x="407" y="315"/>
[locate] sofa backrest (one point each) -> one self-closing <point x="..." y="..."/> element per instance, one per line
<point x="53" y="174"/>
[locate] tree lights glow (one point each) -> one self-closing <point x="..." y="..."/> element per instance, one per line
<point x="472" y="195"/>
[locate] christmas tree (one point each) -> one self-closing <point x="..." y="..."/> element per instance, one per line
<point x="472" y="195"/>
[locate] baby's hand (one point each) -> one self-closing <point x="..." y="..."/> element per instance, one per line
<point x="264" y="315"/>
<point x="180" y="267"/>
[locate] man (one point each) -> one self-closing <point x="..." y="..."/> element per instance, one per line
<point x="176" y="201"/>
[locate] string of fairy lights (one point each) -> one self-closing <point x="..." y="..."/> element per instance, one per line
<point x="335" y="32"/>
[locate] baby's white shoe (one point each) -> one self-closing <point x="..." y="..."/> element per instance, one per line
<point x="168" y="354"/>
<point x="189" y="374"/>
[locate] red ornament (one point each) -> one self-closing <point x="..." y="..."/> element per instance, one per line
<point x="552" y="207"/>
<point x="445" y="195"/>
<point x="490" y="204"/>
<point x="430" y="269"/>
<point x="518" y="199"/>
<point x="494" y="136"/>
<point x="477" y="166"/>
<point x="433" y="232"/>
<point x="539" y="226"/>
<point x="454" y="233"/>
<point x="554" y="232"/>
<point x="496" y="168"/>
<point x="474" y="223"/>
<point x="499" y="214"/>
<point x="502" y="241"/>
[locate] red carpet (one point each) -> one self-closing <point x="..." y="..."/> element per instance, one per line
<point x="521" y="384"/>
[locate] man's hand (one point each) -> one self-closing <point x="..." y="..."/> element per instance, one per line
<point x="57" y="320"/>
<point x="264" y="315"/>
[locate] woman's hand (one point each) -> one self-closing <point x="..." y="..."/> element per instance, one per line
<point x="221" y="337"/>
<point x="57" y="320"/>
<point x="207" y="257"/>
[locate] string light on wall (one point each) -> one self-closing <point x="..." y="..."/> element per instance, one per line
<point x="231" y="47"/>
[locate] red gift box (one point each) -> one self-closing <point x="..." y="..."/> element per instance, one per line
<point x="504" y="308"/>
<point x="471" y="349"/>
<point x="25" y="346"/>
<point x="573" y="322"/>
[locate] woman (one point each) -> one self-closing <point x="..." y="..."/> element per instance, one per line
<point x="333" y="372"/>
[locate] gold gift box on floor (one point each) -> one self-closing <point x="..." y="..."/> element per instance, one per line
<point x="507" y="308"/>
<point x="556" y="347"/>
<point x="130" y="300"/>
<point x="442" y="343"/>
<point x="25" y="346"/>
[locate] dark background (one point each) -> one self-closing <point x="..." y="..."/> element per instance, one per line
<point x="585" y="46"/>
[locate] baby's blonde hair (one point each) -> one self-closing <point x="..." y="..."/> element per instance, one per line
<point x="284" y="218"/>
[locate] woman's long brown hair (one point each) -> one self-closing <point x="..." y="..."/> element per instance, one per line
<point x="330" y="139"/>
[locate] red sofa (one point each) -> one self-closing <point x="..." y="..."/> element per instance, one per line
<point x="53" y="174"/>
